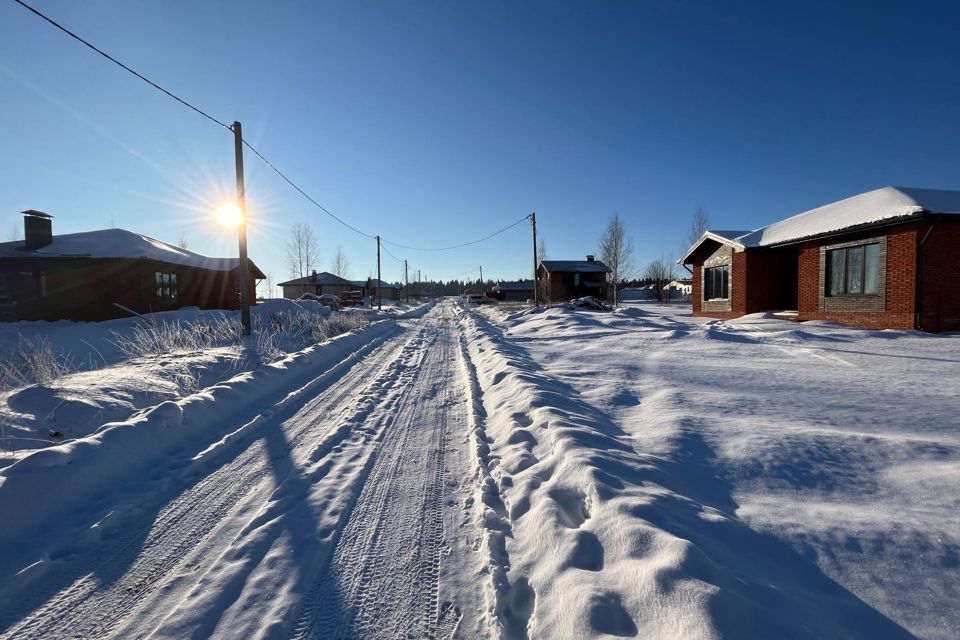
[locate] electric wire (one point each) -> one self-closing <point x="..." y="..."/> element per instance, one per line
<point x="458" y="246"/>
<point x="304" y="193"/>
<point x="123" y="66"/>
<point x="255" y="151"/>
<point x="387" y="251"/>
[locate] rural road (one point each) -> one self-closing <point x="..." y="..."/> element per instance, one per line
<point x="346" y="515"/>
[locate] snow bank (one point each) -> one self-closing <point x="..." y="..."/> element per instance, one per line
<point x="780" y="479"/>
<point x="41" y="487"/>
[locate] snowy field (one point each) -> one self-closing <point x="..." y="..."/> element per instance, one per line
<point x="754" y="478"/>
<point x="491" y="472"/>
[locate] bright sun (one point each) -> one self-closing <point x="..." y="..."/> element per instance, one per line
<point x="229" y="215"/>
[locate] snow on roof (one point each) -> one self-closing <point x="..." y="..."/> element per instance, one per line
<point x="863" y="210"/>
<point x="322" y="278"/>
<point x="582" y="266"/>
<point x="116" y="243"/>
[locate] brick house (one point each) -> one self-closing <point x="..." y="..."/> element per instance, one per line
<point x="569" y="279"/>
<point x="885" y="259"/>
<point x="98" y="275"/>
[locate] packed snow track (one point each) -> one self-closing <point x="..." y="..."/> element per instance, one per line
<point x="327" y="520"/>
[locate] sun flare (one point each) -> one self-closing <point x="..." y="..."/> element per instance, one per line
<point x="229" y="215"/>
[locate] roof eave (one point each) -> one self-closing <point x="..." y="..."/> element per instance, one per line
<point x="707" y="235"/>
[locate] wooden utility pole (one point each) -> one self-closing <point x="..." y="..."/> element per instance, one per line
<point x="377" y="289"/>
<point x="242" y="231"/>
<point x="536" y="287"/>
<point x="406" y="280"/>
<point x="481" y="279"/>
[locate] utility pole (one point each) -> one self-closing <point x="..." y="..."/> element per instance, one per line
<point x="481" y="279"/>
<point x="536" y="288"/>
<point x="242" y="230"/>
<point x="406" y="280"/>
<point x="419" y="287"/>
<point x="378" y="274"/>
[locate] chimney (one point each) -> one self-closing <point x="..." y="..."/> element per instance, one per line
<point x="313" y="276"/>
<point x="589" y="257"/>
<point x="37" y="229"/>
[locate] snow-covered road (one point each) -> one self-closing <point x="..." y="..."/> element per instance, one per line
<point x="334" y="518"/>
<point x="553" y="473"/>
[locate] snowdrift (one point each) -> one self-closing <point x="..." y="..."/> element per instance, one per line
<point x="52" y="482"/>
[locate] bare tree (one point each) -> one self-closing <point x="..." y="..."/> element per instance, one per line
<point x="182" y="240"/>
<point x="302" y="250"/>
<point x="542" y="283"/>
<point x="339" y="264"/>
<point x="662" y="272"/>
<point x="616" y="251"/>
<point x="699" y="224"/>
<point x="266" y="287"/>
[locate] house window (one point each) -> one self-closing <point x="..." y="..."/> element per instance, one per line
<point x="853" y="271"/>
<point x="576" y="279"/>
<point x="166" y="287"/>
<point x="716" y="283"/>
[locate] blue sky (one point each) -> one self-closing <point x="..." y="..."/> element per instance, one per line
<point x="433" y="123"/>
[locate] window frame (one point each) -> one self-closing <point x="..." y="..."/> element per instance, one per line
<point x="709" y="285"/>
<point x="845" y="291"/>
<point x="167" y="291"/>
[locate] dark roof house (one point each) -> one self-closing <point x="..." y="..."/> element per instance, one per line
<point x="884" y="259"/>
<point x="92" y="275"/>
<point x="316" y="284"/>
<point x="569" y="279"/>
<point x="516" y="291"/>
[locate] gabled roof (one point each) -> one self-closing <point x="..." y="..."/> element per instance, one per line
<point x="579" y="266"/>
<point x="877" y="207"/>
<point x="120" y="243"/>
<point x="322" y="278"/>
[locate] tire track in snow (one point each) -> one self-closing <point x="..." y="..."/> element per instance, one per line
<point x="97" y="601"/>
<point x="383" y="579"/>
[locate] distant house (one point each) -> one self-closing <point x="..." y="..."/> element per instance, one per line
<point x="84" y="276"/>
<point x="885" y="259"/>
<point x="569" y="279"/>
<point x="646" y="293"/>
<point x="377" y="289"/>
<point x="518" y="291"/>
<point x="679" y="289"/>
<point x="316" y="284"/>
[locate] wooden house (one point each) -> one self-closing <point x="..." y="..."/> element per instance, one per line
<point x="317" y="284"/>
<point x="94" y="275"/>
<point x="569" y="279"/>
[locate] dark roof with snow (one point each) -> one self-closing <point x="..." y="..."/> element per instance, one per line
<point x="518" y="285"/>
<point x="581" y="266"/>
<point x="322" y="278"/>
<point x="120" y="243"/>
<point x="873" y="208"/>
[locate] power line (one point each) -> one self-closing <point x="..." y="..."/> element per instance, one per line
<point x="463" y="244"/>
<point x="387" y="251"/>
<point x="123" y="66"/>
<point x="304" y="193"/>
<point x="253" y="149"/>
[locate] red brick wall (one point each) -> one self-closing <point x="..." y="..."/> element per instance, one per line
<point x="737" y="289"/>
<point x="940" y="293"/>
<point x="900" y="288"/>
